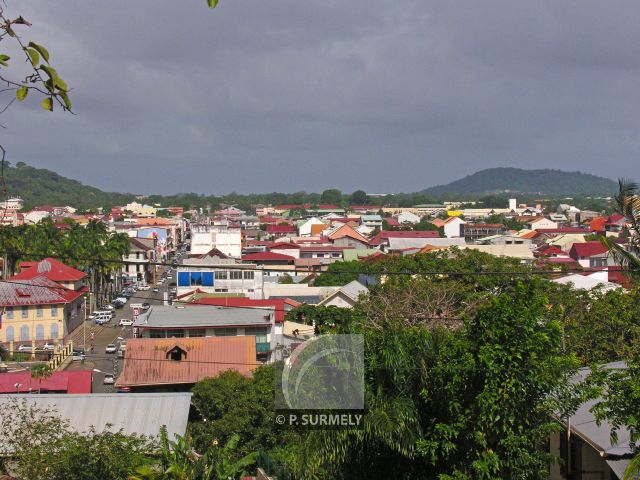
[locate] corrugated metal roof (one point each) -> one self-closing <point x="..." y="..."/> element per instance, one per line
<point x="202" y="316"/>
<point x="51" y="268"/>
<point x="35" y="291"/>
<point x="148" y="362"/>
<point x="127" y="411"/>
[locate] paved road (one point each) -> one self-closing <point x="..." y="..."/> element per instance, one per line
<point x="105" y="334"/>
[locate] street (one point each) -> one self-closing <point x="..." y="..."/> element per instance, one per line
<point x="103" y="335"/>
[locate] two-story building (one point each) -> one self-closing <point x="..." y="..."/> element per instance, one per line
<point x="138" y="262"/>
<point x="197" y="320"/>
<point x="219" y="275"/>
<point x="38" y="310"/>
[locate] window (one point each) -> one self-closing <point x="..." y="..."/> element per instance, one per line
<point x="9" y="312"/>
<point x="175" y="333"/>
<point x="39" y="332"/>
<point x="10" y="335"/>
<point x="54" y="331"/>
<point x="39" y="311"/>
<point x="248" y="275"/>
<point x="226" y="332"/>
<point x="236" y="274"/>
<point x="54" y="310"/>
<point x="25" y="312"/>
<point x="157" y="334"/>
<point x="259" y="332"/>
<point x="24" y="333"/>
<point x="222" y="274"/>
<point x="176" y="354"/>
<point x="207" y="279"/>
<point x="197" y="332"/>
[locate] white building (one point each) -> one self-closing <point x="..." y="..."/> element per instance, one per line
<point x="408" y="217"/>
<point x="205" y="238"/>
<point x="219" y="276"/>
<point x="304" y="230"/>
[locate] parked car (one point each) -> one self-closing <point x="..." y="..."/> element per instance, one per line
<point x="125" y="322"/>
<point x="78" y="355"/>
<point x="106" y="307"/>
<point x="24" y="347"/>
<point x="156" y="290"/>
<point x="146" y="306"/>
<point x="108" y="379"/>
<point x="111" y="348"/>
<point x="144" y="287"/>
<point x="118" y="304"/>
<point x="48" y="346"/>
<point x="123" y="390"/>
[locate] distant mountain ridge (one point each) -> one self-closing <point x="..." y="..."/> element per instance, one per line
<point x="517" y="180"/>
<point x="39" y="186"/>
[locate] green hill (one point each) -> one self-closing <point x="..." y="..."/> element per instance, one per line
<point x="38" y="186"/>
<point x="516" y="180"/>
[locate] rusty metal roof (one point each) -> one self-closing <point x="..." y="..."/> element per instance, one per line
<point x="148" y="360"/>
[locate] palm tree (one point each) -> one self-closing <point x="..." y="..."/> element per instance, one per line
<point x="39" y="372"/>
<point x="627" y="203"/>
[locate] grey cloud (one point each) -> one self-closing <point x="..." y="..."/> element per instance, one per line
<point x="288" y="95"/>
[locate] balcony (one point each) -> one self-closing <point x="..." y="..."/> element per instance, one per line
<point x="263" y="347"/>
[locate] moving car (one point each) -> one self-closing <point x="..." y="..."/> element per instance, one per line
<point x="111" y="348"/>
<point x="125" y="322"/>
<point x="108" y="379"/>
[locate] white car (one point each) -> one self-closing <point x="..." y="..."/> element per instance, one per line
<point x="111" y="348"/>
<point x="48" y="346"/>
<point x="24" y="348"/>
<point x="156" y="290"/>
<point x="125" y="322"/>
<point x="144" y="287"/>
<point x="108" y="379"/>
<point x="106" y="307"/>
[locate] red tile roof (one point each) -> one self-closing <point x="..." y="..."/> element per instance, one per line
<point x="586" y="249"/>
<point x="50" y="268"/>
<point x="276" y="303"/>
<point x="35" y="291"/>
<point x="266" y="256"/>
<point x="326" y="248"/>
<point x="564" y="230"/>
<point x="281" y="229"/>
<point x="283" y="245"/>
<point x="76" y="381"/>
<point x="347" y="231"/>
<point x="146" y="361"/>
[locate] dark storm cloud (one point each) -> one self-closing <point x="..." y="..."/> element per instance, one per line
<point x="263" y="95"/>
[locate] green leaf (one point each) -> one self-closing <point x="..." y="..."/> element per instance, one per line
<point x="34" y="56"/>
<point x="21" y="93"/>
<point x="41" y="50"/>
<point x="3" y="60"/>
<point x="212" y="3"/>
<point x="47" y="104"/>
<point x="66" y="100"/>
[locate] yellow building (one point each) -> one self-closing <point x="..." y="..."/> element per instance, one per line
<point x="42" y="303"/>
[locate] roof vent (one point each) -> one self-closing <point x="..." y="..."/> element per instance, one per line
<point x="44" y="266"/>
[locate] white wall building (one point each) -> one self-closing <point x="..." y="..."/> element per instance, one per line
<point x="205" y="238"/>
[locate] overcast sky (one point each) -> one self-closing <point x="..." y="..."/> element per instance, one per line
<point x="290" y="95"/>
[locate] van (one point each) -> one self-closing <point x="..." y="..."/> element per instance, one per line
<point x="102" y="317"/>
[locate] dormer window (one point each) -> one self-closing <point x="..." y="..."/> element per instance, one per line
<point x="176" y="354"/>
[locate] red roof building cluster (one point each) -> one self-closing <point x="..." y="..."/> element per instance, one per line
<point x="49" y="268"/>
